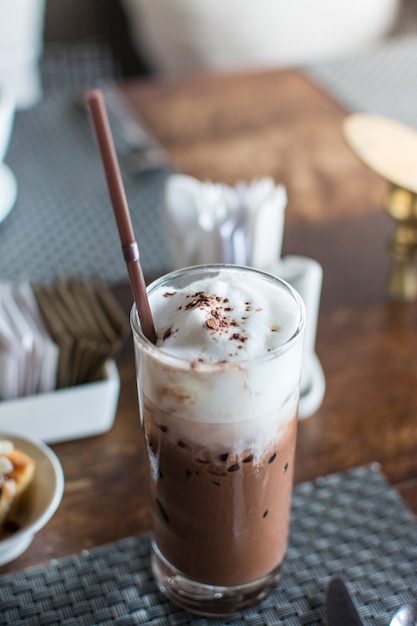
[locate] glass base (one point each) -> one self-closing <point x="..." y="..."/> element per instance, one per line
<point x="209" y="600"/>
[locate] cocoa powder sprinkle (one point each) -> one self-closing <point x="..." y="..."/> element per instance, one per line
<point x="218" y="320"/>
<point x="239" y="337"/>
<point x="216" y="312"/>
<point x="199" y="299"/>
<point x="167" y="334"/>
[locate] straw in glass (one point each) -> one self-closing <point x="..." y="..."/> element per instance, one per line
<point x="97" y="107"/>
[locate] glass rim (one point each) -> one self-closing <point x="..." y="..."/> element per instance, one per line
<point x="182" y="363"/>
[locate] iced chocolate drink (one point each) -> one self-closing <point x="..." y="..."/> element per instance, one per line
<point x="218" y="400"/>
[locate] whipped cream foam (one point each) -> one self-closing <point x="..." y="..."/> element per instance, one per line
<point x="228" y="354"/>
<point x="224" y="318"/>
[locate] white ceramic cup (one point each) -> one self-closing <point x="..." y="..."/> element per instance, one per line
<point x="7" y="110"/>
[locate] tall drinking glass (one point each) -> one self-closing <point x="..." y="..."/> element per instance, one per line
<point x="218" y="399"/>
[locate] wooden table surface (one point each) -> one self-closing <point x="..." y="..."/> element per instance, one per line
<point x="243" y="126"/>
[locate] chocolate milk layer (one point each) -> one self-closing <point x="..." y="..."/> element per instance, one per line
<point x="220" y="518"/>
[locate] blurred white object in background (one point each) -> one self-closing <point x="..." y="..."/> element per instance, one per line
<point x="213" y="223"/>
<point x="21" y="42"/>
<point x="182" y="36"/>
<point x="8" y="185"/>
<point x="306" y="276"/>
<point x="7" y="109"/>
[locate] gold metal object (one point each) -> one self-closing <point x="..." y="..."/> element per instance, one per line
<point x="402" y="206"/>
<point x="390" y="149"/>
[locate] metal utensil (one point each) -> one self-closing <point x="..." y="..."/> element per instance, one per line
<point x="340" y="608"/>
<point x="405" y="616"/>
<point x="146" y="152"/>
<point x="135" y="144"/>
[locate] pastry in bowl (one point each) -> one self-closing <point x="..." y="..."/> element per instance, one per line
<point x="16" y="473"/>
<point x="39" y="487"/>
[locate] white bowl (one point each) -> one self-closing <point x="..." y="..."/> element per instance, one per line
<point x="41" y="500"/>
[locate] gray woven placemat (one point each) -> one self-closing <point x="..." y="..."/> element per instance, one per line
<point x="62" y="222"/>
<point x="381" y="80"/>
<point x="352" y="524"/>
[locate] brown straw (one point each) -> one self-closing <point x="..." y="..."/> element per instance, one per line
<point x="97" y="107"/>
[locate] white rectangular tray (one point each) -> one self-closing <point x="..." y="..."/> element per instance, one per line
<point x="65" y="414"/>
